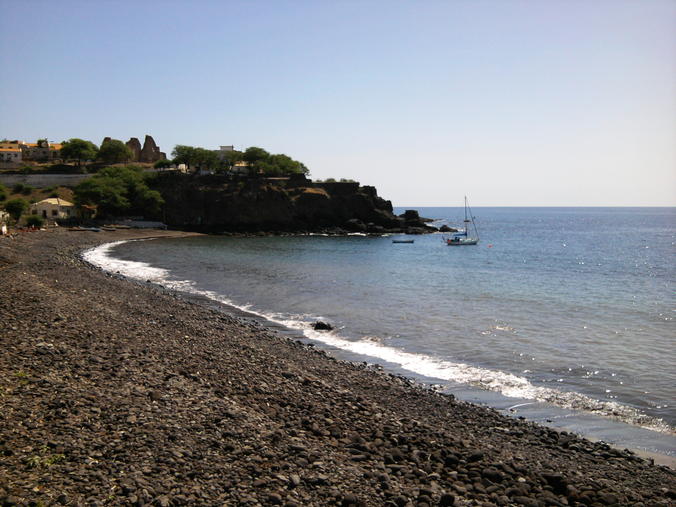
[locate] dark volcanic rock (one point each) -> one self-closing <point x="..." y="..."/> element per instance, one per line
<point x="446" y="228"/>
<point x="322" y="326"/>
<point x="117" y="393"/>
<point x="220" y="203"/>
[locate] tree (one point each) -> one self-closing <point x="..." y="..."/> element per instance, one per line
<point x="107" y="194"/>
<point x="184" y="155"/>
<point x="191" y="156"/>
<point x="115" y="152"/>
<point x="78" y="149"/>
<point x="230" y="158"/>
<point x="16" y="207"/>
<point x="205" y="159"/>
<point x="117" y="191"/>
<point x="285" y="165"/>
<point x="3" y="192"/>
<point x="254" y="154"/>
<point x="162" y="164"/>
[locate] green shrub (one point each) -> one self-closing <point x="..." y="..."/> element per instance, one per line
<point x="3" y="193"/>
<point x="162" y="164"/>
<point x="35" y="221"/>
<point x="20" y="188"/>
<point x="16" y="207"/>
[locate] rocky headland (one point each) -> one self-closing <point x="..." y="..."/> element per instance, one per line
<point x="120" y="393"/>
<point x="215" y="203"/>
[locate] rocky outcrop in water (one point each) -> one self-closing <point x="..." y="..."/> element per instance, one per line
<point x="296" y="204"/>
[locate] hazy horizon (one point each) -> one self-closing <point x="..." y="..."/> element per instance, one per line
<point x="512" y="103"/>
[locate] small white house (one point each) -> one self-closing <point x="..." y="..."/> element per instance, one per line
<point x="53" y="208"/>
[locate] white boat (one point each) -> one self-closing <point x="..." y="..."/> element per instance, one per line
<point x="462" y="238"/>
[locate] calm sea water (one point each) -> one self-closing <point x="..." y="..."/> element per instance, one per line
<point x="559" y="307"/>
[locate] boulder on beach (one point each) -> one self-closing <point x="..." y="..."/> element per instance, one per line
<point x="322" y="326"/>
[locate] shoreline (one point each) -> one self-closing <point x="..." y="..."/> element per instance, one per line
<point x="656" y="442"/>
<point x="115" y="388"/>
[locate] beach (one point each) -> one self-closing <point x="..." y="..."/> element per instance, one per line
<point x="121" y="393"/>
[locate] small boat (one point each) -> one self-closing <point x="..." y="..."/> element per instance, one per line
<point x="80" y="228"/>
<point x="408" y="241"/>
<point x="462" y="238"/>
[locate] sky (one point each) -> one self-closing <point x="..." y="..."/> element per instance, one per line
<point x="512" y="103"/>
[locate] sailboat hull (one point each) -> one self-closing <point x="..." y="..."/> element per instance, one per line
<point x="462" y="242"/>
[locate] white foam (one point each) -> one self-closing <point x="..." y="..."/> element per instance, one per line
<point x="507" y="384"/>
<point x="100" y="256"/>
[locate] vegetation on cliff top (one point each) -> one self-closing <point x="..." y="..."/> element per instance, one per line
<point x="120" y="190"/>
<point x="258" y="161"/>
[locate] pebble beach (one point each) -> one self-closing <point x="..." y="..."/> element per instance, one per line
<point x="120" y="393"/>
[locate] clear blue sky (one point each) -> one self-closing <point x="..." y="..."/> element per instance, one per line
<point x="510" y="102"/>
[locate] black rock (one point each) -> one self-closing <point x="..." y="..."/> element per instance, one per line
<point x="322" y="326"/>
<point x="446" y="228"/>
<point x="410" y="215"/>
<point x="557" y="482"/>
<point x="350" y="499"/>
<point x="447" y="500"/>
<point x="355" y="225"/>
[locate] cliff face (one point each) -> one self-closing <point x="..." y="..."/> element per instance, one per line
<point x="217" y="203"/>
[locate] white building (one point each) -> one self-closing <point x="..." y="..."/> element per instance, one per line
<point x="42" y="150"/>
<point x="10" y="155"/>
<point x="16" y="151"/>
<point x="53" y="208"/>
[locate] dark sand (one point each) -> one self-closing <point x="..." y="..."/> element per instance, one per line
<point x="114" y="393"/>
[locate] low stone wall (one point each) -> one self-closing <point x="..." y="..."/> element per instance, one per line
<point x="43" y="180"/>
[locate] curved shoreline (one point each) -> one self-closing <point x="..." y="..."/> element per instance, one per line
<point x="118" y="389"/>
<point x="433" y="371"/>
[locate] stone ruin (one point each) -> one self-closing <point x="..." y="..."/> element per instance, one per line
<point x="149" y="153"/>
<point x="135" y="146"/>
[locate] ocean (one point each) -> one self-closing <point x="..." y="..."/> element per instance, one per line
<point x="564" y="316"/>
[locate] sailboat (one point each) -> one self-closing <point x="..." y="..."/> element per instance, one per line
<point x="462" y="238"/>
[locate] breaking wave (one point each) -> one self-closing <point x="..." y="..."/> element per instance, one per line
<point x="507" y="384"/>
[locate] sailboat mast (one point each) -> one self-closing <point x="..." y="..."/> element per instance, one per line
<point x="466" y="221"/>
<point x="471" y="214"/>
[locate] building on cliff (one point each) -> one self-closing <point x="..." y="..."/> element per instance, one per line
<point x="18" y="151"/>
<point x="11" y="154"/>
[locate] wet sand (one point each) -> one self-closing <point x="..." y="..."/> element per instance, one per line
<point x="118" y="393"/>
